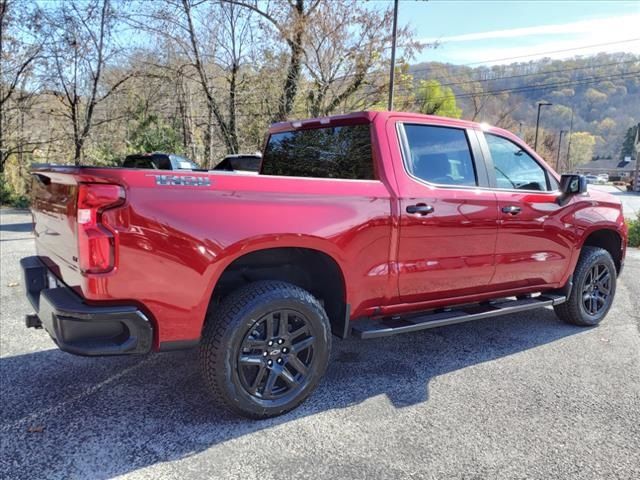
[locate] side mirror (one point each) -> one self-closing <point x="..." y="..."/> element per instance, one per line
<point x="573" y="184"/>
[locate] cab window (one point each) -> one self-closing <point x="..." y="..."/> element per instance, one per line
<point x="439" y="155"/>
<point x="328" y="152"/>
<point x="515" y="169"/>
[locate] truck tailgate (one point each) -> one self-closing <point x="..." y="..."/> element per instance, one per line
<point x="54" y="198"/>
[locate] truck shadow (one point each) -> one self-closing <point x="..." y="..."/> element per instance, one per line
<point x="99" y="418"/>
<point x="16" y="227"/>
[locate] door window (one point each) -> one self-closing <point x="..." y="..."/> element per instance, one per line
<point x="439" y="155"/>
<point x="515" y="169"/>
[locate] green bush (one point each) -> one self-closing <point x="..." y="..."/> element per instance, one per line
<point x="634" y="232"/>
<point x="9" y="197"/>
<point x="5" y="191"/>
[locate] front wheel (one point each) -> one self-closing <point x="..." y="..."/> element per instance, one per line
<point x="594" y="286"/>
<point x="265" y="349"/>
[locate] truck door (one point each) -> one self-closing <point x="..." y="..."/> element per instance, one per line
<point x="448" y="223"/>
<point x="534" y="245"/>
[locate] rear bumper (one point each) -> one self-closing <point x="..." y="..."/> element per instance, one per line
<point x="79" y="328"/>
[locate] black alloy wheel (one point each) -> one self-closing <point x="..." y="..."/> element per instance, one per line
<point x="596" y="290"/>
<point x="593" y="291"/>
<point x="265" y="348"/>
<point x="276" y="355"/>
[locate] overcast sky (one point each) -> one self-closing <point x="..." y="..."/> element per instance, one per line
<point x="497" y="31"/>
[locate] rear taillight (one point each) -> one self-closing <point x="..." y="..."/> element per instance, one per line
<point x="96" y="240"/>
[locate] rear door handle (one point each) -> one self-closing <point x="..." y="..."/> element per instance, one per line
<point x="511" y="210"/>
<point x="420" y="209"/>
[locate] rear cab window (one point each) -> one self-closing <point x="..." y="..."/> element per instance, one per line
<point x="149" y="162"/>
<point x="343" y="152"/>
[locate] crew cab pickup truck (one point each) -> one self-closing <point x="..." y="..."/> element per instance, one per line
<point x="368" y="224"/>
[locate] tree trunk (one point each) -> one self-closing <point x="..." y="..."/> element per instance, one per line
<point x="295" y="64"/>
<point x="233" y="129"/>
<point x="184" y="110"/>
<point x="208" y="146"/>
<point x="293" y="78"/>
<point x="77" y="158"/>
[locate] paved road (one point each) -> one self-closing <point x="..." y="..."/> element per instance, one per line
<point x="630" y="200"/>
<point x="522" y="396"/>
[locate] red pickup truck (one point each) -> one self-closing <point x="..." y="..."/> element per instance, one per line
<point x="368" y="224"/>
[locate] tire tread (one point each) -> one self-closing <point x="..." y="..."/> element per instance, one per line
<point x="225" y="317"/>
<point x="569" y="311"/>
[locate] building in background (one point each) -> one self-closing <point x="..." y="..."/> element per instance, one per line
<point x="616" y="169"/>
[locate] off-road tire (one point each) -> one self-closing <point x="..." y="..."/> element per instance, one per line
<point x="574" y="310"/>
<point x="231" y="324"/>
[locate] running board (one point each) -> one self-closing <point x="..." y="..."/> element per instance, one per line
<point x="383" y="327"/>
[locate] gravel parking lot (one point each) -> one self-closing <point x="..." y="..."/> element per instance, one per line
<point x="630" y="200"/>
<point x="522" y="396"/>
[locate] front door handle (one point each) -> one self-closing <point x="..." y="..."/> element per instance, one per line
<point x="420" y="209"/>
<point x="511" y="210"/>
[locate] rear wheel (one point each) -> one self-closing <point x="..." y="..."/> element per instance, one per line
<point x="265" y="349"/>
<point x="593" y="289"/>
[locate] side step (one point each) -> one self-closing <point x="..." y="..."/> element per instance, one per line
<point x="383" y="327"/>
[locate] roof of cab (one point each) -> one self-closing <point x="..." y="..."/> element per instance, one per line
<point x="367" y="116"/>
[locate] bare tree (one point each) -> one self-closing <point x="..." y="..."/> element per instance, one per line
<point x="211" y="39"/>
<point x="20" y="49"/>
<point x="477" y="98"/>
<point x="184" y="112"/>
<point x="291" y="19"/>
<point x="346" y="43"/>
<point x="236" y="39"/>
<point x="80" y="46"/>
<point x="214" y="109"/>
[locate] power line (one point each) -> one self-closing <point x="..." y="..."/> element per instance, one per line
<point x="577" y="82"/>
<point x="547" y="72"/>
<point x="528" y="88"/>
<point x="449" y="65"/>
<point x="587" y="81"/>
<point x="521" y="89"/>
<point x="552" y="51"/>
<point x="496" y="79"/>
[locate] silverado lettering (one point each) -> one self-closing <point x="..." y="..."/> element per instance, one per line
<point x="183" y="180"/>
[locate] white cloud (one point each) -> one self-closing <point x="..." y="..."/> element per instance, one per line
<point x="586" y="37"/>
<point x="628" y="23"/>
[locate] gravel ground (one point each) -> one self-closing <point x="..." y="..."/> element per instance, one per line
<point x="522" y="396"/>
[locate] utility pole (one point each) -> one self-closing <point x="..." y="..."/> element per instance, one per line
<point x="540" y="104"/>
<point x="394" y="36"/>
<point x="559" y="150"/>
<point x="569" y="146"/>
<point x="636" y="146"/>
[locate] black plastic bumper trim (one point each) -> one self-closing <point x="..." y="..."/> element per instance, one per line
<point x="84" y="329"/>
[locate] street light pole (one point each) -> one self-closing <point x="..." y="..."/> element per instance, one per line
<point x="394" y="35"/>
<point x="559" y="150"/>
<point x="540" y="104"/>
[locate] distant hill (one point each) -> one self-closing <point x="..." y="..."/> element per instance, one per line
<point x="603" y="90"/>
